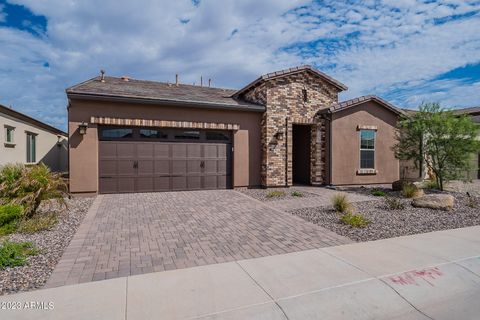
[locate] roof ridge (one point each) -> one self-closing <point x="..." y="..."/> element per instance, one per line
<point x="292" y="70"/>
<point x="168" y="83"/>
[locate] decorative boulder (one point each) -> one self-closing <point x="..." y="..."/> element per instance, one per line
<point x="398" y="185"/>
<point x="434" y="201"/>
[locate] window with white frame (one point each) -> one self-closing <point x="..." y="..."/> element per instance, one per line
<point x="9" y="134"/>
<point x="367" y="149"/>
<point x="31" y="147"/>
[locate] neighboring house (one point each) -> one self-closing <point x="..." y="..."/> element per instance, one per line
<point x="409" y="171"/>
<point x="474" y="112"/>
<point x="29" y="141"/>
<point x="284" y="128"/>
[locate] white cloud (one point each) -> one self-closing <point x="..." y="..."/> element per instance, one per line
<point x="373" y="48"/>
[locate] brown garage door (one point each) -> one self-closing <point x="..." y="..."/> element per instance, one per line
<point x="140" y="166"/>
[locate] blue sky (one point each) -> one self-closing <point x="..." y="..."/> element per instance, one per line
<point x="406" y="51"/>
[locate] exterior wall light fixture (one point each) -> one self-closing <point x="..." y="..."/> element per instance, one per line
<point x="82" y="128"/>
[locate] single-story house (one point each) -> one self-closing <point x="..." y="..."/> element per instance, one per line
<point x="474" y="113"/>
<point x="29" y="141"/>
<point x="284" y="128"/>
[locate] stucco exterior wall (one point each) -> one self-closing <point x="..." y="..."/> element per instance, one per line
<point x="285" y="106"/>
<point x="84" y="149"/>
<point x="345" y="145"/>
<point x="48" y="150"/>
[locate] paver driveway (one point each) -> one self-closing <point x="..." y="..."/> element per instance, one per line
<point x="128" y="234"/>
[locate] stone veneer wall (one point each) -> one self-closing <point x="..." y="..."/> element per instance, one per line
<point x="283" y="98"/>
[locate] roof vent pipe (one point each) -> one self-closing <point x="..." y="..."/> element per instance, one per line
<point x="209" y="82"/>
<point x="176" y="79"/>
<point x="102" y="77"/>
<point x="201" y="81"/>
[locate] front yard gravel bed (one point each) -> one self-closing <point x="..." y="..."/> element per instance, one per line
<point x="51" y="244"/>
<point x="387" y="223"/>
<point x="262" y="194"/>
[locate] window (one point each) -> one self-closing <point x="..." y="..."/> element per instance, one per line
<point x="305" y="95"/>
<point x="152" y="133"/>
<point x="9" y="134"/>
<point x="218" y="136"/>
<point x="117" y="133"/>
<point x="31" y="147"/>
<point x="188" y="135"/>
<point x="367" y="149"/>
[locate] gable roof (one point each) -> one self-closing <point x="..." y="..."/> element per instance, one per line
<point x="340" y="106"/>
<point x="472" y="110"/>
<point x="34" y="122"/>
<point x="143" y="91"/>
<point x="287" y="72"/>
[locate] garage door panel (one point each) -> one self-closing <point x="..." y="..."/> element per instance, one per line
<point x="126" y="150"/>
<point x="210" y="182"/>
<point x="194" y="166"/>
<point x="162" y="167"/>
<point x="126" y="184"/>
<point x="107" y="167"/>
<point x="210" y="151"/>
<point x="194" y="182"/>
<point x="145" y="184"/>
<point x="107" y="150"/>
<point x="161" y="150"/>
<point x="145" y="167"/>
<point x="125" y="168"/>
<point x="179" y="150"/>
<point x="108" y="185"/>
<point x="179" y="167"/>
<point x="162" y="184"/>
<point x="222" y="167"/>
<point x="222" y="182"/>
<point x="179" y="183"/>
<point x="211" y="166"/>
<point x="223" y="150"/>
<point x="194" y="150"/>
<point x="145" y="150"/>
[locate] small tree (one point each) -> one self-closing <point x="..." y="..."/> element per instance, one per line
<point x="439" y="139"/>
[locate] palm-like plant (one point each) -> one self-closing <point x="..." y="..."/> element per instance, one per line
<point x="35" y="184"/>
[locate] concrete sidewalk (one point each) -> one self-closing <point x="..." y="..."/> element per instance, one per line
<point x="427" y="276"/>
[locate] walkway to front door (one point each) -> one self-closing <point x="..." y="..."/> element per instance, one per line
<point x="127" y="234"/>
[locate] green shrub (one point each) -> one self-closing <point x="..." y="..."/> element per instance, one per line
<point x="377" y="192"/>
<point x="394" y="203"/>
<point x="297" y="194"/>
<point x="10" y="175"/>
<point x="9" y="213"/>
<point x="38" y="223"/>
<point x="13" y="254"/>
<point x="34" y="185"/>
<point x="430" y="184"/>
<point x="341" y="203"/>
<point x="409" y="190"/>
<point x="276" y="194"/>
<point x="9" y="217"/>
<point x="472" y="201"/>
<point x="354" y="220"/>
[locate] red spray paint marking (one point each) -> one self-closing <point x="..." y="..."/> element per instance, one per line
<point x="411" y="277"/>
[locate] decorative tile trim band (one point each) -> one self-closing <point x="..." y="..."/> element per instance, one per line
<point x="301" y="120"/>
<point x="363" y="127"/>
<point x="164" y="123"/>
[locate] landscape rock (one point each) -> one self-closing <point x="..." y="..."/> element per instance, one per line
<point x="435" y="201"/>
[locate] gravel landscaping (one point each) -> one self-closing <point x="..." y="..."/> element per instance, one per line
<point x="263" y="194"/>
<point x="51" y="244"/>
<point x="387" y="223"/>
